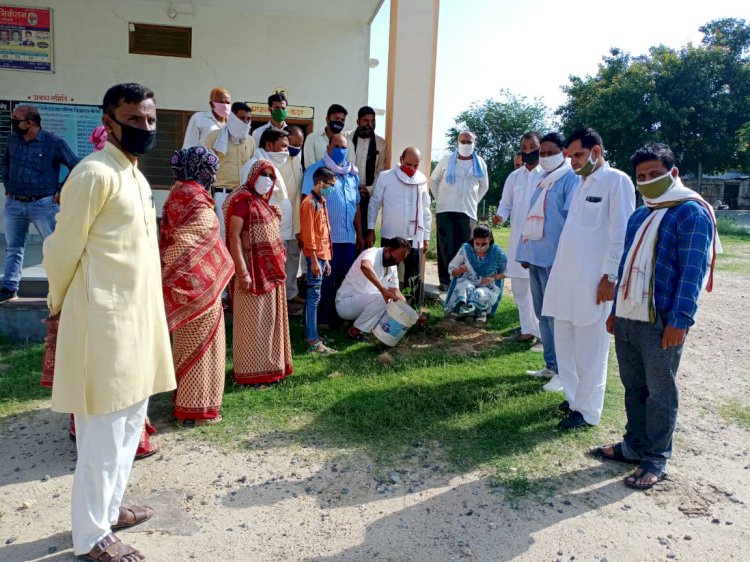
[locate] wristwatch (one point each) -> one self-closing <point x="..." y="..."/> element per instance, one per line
<point x="611" y="278"/>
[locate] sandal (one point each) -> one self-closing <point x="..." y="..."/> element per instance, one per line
<point x="320" y="348"/>
<point x="140" y="514"/>
<point x="359" y="336"/>
<point x="111" y="549"/>
<point x="617" y="454"/>
<point x="645" y="468"/>
<point x="200" y="423"/>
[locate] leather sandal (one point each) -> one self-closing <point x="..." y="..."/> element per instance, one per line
<point x="617" y="454"/>
<point x="112" y="549"/>
<point x="140" y="514"/>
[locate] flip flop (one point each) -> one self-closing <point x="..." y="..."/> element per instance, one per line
<point x="659" y="474"/>
<point x="617" y="456"/>
<point x="140" y="514"/>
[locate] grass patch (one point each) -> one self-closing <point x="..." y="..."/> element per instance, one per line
<point x="736" y="254"/>
<point x="736" y="413"/>
<point x="20" y="373"/>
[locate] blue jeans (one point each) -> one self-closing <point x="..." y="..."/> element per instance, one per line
<point x="312" y="299"/>
<point x="17" y="217"/>
<point x="538" y="277"/>
<point x="343" y="256"/>
<point x="651" y="398"/>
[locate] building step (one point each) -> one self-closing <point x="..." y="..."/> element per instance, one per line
<point x="21" y="320"/>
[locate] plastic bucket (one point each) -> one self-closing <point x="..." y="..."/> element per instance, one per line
<point x="395" y="322"/>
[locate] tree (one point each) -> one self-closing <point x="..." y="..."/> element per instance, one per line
<point x="499" y="125"/>
<point x="694" y="99"/>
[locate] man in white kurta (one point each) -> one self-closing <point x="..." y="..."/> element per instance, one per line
<point x="514" y="204"/>
<point x="292" y="174"/>
<point x="202" y="123"/>
<point x="113" y="348"/>
<point x="403" y="195"/>
<point x="583" y="277"/>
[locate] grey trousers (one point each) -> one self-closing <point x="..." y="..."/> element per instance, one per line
<point x="651" y="397"/>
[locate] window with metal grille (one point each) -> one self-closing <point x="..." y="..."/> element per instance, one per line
<point x="155" y="165"/>
<point x="161" y="40"/>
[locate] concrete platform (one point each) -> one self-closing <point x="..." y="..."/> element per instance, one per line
<point x="21" y="320"/>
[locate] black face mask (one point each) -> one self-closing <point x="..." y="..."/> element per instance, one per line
<point x="364" y="132"/>
<point x="134" y="140"/>
<point x="389" y="261"/>
<point x="16" y="126"/>
<point x="530" y="157"/>
<point x="336" y="126"/>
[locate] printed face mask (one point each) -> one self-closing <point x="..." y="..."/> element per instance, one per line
<point x="336" y="126"/>
<point x="656" y="187"/>
<point x="549" y="163"/>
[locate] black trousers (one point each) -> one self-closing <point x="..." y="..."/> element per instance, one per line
<point x="411" y="271"/>
<point x="454" y="229"/>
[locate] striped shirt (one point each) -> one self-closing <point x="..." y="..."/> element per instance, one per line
<point x="32" y="168"/>
<point x="342" y="204"/>
<point x="682" y="251"/>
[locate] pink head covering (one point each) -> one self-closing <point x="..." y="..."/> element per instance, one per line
<point x="98" y="137"/>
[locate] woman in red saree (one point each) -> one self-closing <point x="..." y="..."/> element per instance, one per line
<point x="262" y="350"/>
<point x="195" y="269"/>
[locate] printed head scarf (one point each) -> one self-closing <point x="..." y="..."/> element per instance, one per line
<point x="254" y="173"/>
<point x="196" y="163"/>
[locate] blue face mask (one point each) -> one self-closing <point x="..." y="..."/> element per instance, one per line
<point x="294" y="150"/>
<point x="338" y="155"/>
<point x="327" y="191"/>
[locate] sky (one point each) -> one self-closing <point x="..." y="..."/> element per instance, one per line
<point x="531" y="47"/>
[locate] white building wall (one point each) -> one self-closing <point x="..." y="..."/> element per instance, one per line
<point x="319" y="61"/>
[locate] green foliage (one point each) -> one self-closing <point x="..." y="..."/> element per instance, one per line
<point x="736" y="413"/>
<point x="728" y="226"/>
<point x="499" y="125"/>
<point x="695" y="99"/>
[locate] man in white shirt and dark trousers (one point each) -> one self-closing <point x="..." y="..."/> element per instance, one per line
<point x="405" y="199"/>
<point x="458" y="183"/>
<point x="371" y="282"/>
<point x="581" y="284"/>
<point x="514" y="204"/>
<point x="367" y="153"/>
<point x="316" y="144"/>
<point x="201" y="124"/>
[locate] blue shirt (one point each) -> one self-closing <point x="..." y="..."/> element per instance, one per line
<point x="682" y="249"/>
<point x="342" y="204"/>
<point x="542" y="252"/>
<point x="32" y="168"/>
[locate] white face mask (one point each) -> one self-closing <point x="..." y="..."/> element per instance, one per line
<point x="278" y="157"/>
<point x="237" y="128"/>
<point x="466" y="150"/>
<point x="549" y="163"/>
<point x="263" y="185"/>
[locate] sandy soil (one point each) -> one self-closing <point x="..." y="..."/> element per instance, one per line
<point x="280" y="501"/>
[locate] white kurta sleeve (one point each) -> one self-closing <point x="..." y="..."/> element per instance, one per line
<point x="308" y="150"/>
<point x="376" y="201"/>
<point x="484" y="181"/>
<point x="621" y="206"/>
<point x="437" y="177"/>
<point x="82" y="198"/>
<point x="505" y="206"/>
<point x="427" y="217"/>
<point x="192" y="134"/>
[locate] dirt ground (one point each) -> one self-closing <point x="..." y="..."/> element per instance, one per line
<point x="286" y="502"/>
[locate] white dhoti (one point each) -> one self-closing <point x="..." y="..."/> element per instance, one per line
<point x="106" y="446"/>
<point x="365" y="309"/>
<point x="582" y="354"/>
<point x="521" y="288"/>
<point x="292" y="267"/>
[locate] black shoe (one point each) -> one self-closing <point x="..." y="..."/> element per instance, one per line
<point x="443" y="287"/>
<point x="564" y="407"/>
<point x="6" y="295"/>
<point x="573" y="421"/>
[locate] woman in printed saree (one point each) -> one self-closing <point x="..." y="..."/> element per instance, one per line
<point x="196" y="267"/>
<point x="262" y="350"/>
<point x="477" y="273"/>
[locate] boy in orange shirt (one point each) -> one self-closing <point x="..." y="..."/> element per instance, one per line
<point x="315" y="233"/>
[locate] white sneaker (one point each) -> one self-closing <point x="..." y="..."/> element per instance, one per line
<point x="542" y="373"/>
<point x="537" y="347"/>
<point x="554" y="385"/>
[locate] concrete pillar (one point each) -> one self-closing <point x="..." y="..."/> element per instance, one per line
<point x="411" y="78"/>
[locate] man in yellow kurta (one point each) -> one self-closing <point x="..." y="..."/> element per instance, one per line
<point x="113" y="348"/>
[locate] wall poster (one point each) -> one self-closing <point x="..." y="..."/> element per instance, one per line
<point x="26" y="38"/>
